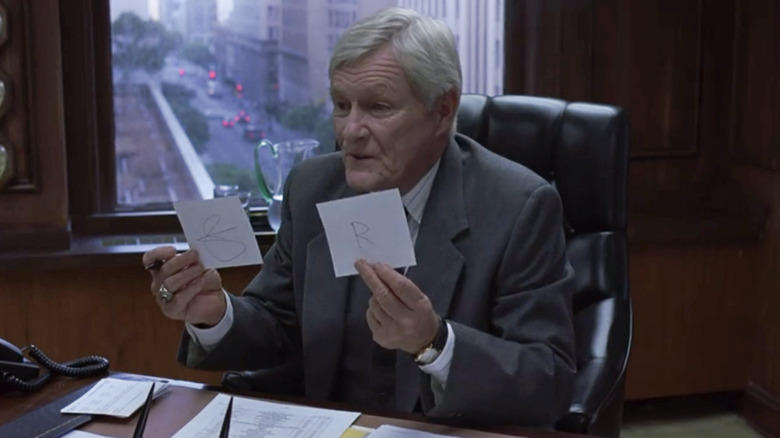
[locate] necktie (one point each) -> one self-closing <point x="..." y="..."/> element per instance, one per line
<point x="403" y="270"/>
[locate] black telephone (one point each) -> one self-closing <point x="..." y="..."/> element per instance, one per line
<point x="18" y="372"/>
<point x="12" y="361"/>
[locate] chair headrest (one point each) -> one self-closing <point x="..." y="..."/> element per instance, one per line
<point x="582" y="148"/>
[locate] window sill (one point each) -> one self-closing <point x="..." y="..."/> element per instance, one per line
<point x="112" y="250"/>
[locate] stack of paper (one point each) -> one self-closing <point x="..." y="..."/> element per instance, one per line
<point x="387" y="431"/>
<point x="114" y="397"/>
<point x="252" y="417"/>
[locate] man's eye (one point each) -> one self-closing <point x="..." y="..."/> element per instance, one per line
<point x="379" y="107"/>
<point x="341" y="107"/>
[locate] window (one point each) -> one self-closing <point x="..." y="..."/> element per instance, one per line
<point x="172" y="123"/>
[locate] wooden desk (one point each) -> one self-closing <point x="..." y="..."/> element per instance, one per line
<point x="183" y="400"/>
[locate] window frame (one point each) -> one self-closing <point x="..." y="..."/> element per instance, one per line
<point x="90" y="131"/>
<point x="89" y="122"/>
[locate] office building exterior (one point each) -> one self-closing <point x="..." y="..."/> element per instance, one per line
<point x="279" y="50"/>
<point x="479" y="34"/>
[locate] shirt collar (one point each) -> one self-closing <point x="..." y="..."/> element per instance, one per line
<point x="415" y="199"/>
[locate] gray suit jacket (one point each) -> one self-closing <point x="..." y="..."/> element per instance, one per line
<point x="492" y="259"/>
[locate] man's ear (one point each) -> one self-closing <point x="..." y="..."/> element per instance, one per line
<point x="446" y="109"/>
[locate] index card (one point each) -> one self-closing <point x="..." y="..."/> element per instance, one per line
<point x="372" y="227"/>
<point x="220" y="231"/>
<point x="113" y="397"/>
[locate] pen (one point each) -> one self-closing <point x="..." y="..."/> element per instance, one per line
<point x="223" y="433"/>
<point x="155" y="265"/>
<point x="141" y="425"/>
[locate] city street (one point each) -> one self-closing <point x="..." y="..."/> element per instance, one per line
<point x="229" y="144"/>
<point x="226" y="144"/>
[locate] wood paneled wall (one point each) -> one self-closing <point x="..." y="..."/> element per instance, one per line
<point x="107" y="311"/>
<point x="754" y="146"/>
<point x="699" y="82"/>
<point x="646" y="59"/>
<point x="755" y="116"/>
<point x="33" y="128"/>
<point x="694" y="307"/>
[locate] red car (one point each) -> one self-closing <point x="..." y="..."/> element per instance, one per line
<point x="254" y="133"/>
<point x="242" y="117"/>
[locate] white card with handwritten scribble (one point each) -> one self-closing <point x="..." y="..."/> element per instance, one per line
<point x="371" y="227"/>
<point x="219" y="230"/>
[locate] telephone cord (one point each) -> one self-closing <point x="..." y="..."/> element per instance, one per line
<point x="82" y="367"/>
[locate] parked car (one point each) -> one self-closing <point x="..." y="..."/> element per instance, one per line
<point x="242" y="117"/>
<point x="254" y="133"/>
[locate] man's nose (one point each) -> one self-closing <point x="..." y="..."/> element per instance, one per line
<point x="354" y="126"/>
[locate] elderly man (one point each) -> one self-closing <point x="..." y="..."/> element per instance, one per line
<point x="481" y="328"/>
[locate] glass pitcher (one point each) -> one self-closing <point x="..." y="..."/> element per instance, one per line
<point x="272" y="170"/>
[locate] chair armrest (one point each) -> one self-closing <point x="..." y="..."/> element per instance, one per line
<point x="573" y="422"/>
<point x="597" y="396"/>
<point x="594" y="384"/>
<point x="285" y="379"/>
<point x="598" y="384"/>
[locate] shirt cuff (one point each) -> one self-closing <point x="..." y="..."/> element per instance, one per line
<point x="208" y="338"/>
<point x="439" y="369"/>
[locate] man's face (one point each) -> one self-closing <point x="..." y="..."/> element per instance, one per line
<point x="387" y="137"/>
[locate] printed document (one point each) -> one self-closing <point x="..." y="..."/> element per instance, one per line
<point x="81" y="434"/>
<point x="388" y="431"/>
<point x="114" y="397"/>
<point x="257" y="418"/>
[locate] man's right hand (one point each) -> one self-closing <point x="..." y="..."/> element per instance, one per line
<point x="197" y="292"/>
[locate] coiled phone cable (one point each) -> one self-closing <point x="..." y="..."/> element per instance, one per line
<point x="87" y="366"/>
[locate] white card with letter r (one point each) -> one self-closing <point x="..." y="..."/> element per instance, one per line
<point x="371" y="227"/>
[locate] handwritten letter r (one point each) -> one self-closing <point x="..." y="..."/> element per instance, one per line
<point x="360" y="229"/>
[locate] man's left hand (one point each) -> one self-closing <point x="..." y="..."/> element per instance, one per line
<point x="399" y="314"/>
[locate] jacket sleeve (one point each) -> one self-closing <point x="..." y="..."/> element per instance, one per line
<point x="265" y="331"/>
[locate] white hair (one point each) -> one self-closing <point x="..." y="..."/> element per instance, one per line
<point x="424" y="47"/>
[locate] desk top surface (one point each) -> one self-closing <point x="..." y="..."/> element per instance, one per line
<point x="183" y="400"/>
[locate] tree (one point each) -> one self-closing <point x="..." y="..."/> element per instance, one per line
<point x="310" y="121"/>
<point x="140" y="45"/>
<point x="193" y="121"/>
<point x="323" y="132"/>
<point x="232" y="175"/>
<point x="198" y="54"/>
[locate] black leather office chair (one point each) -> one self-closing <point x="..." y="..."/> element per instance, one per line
<point x="582" y="149"/>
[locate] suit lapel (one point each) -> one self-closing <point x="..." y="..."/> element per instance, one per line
<point x="324" y="315"/>
<point x="439" y="263"/>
